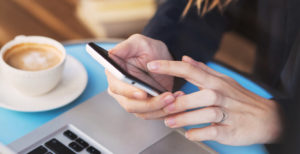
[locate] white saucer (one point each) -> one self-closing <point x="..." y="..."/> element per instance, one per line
<point x="73" y="83"/>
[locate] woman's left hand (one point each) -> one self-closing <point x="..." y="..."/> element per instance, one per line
<point x="237" y="116"/>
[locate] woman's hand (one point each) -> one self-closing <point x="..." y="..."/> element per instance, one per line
<point x="139" y="50"/>
<point x="238" y="116"/>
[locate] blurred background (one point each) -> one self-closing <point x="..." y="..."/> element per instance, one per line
<point x="67" y="20"/>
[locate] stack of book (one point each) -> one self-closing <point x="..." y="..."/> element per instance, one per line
<point x="115" y="18"/>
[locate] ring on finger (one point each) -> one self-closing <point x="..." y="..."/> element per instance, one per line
<point x="224" y="116"/>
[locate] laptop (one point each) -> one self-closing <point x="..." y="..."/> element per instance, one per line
<point x="100" y="125"/>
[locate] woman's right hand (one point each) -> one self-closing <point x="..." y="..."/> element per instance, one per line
<point x="139" y="50"/>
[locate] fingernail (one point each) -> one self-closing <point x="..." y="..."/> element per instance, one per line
<point x="169" y="99"/>
<point x="185" y="58"/>
<point x="181" y="94"/>
<point x="152" y="66"/>
<point x="170" y="108"/>
<point x="170" y="122"/>
<point x="137" y="94"/>
<point x="178" y="94"/>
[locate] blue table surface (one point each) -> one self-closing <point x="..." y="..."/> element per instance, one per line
<point x="14" y="125"/>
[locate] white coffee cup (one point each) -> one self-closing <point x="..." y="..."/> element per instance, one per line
<point x="33" y="82"/>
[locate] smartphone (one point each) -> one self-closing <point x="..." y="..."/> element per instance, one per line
<point x="125" y="71"/>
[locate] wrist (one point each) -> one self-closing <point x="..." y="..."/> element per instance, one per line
<point x="277" y="123"/>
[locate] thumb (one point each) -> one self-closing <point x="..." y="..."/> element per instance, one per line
<point x="122" y="49"/>
<point x="131" y="47"/>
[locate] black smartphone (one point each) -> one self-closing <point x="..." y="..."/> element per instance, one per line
<point x="125" y="71"/>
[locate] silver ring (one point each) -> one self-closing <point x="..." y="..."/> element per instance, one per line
<point x="224" y="117"/>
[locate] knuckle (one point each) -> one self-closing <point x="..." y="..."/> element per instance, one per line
<point x="113" y="93"/>
<point x="189" y="67"/>
<point x="155" y="104"/>
<point x="202" y="65"/>
<point x="214" y="82"/>
<point x="129" y="109"/>
<point x="146" y="117"/>
<point x="139" y="115"/>
<point x="187" y="70"/>
<point x="151" y="106"/>
<point x="136" y="36"/>
<point x="181" y="103"/>
<point x="141" y="38"/>
<point x="231" y="80"/>
<point x="217" y="83"/>
<point x="227" y="78"/>
<point x="213" y="133"/>
<point x="216" y="113"/>
<point x="166" y="66"/>
<point x="160" y="43"/>
<point x="109" y="91"/>
<point x="181" y="120"/>
<point x="189" y="135"/>
<point x="212" y="95"/>
<point x="113" y="90"/>
<point x="142" y="116"/>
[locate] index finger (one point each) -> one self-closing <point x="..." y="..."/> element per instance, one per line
<point x="184" y="70"/>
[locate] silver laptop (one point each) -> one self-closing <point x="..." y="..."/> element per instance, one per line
<point x="100" y="125"/>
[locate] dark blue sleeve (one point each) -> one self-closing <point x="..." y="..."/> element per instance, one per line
<point x="195" y="36"/>
<point x="287" y="94"/>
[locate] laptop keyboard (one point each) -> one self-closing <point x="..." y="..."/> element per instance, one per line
<point x="75" y="145"/>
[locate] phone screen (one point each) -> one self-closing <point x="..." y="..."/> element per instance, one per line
<point x="138" y="73"/>
<point x="131" y="70"/>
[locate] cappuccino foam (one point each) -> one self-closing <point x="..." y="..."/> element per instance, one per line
<point x="32" y="56"/>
